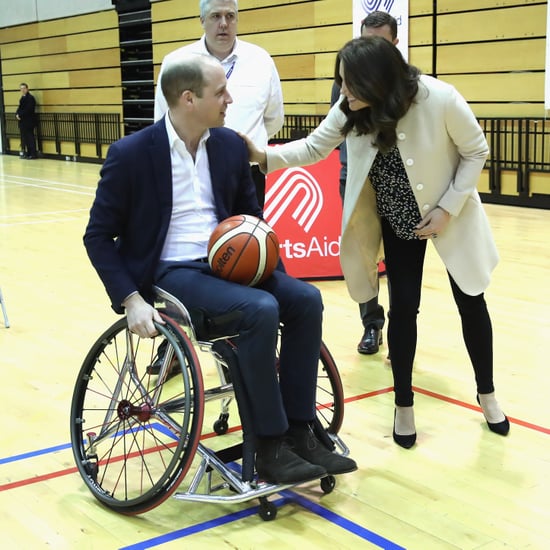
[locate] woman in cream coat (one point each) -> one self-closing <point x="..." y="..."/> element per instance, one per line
<point x="415" y="153"/>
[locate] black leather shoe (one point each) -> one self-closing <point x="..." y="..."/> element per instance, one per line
<point x="371" y="340"/>
<point x="155" y="366"/>
<point x="277" y="463"/>
<point x="304" y="443"/>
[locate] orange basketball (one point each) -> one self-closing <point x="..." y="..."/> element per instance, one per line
<point x="243" y="249"/>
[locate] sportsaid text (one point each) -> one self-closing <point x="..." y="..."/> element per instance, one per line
<point x="315" y="247"/>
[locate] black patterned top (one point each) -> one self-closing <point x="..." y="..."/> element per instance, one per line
<point x="394" y="196"/>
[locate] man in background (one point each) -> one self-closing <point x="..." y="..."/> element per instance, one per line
<point x="252" y="78"/>
<point x="26" y="117"/>
<point x="372" y="313"/>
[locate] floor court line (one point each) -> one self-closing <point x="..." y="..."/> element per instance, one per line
<point x="45" y="213"/>
<point x="6" y="178"/>
<point x="68" y="471"/>
<point x="288" y="496"/>
<point x="89" y="193"/>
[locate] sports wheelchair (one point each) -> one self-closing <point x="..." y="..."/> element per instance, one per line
<point x="136" y="431"/>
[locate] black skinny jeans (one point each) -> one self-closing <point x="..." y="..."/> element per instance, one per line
<point x="404" y="266"/>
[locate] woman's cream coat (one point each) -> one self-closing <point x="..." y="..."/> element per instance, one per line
<point x="444" y="150"/>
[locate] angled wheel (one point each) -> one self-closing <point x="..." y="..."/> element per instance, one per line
<point x="134" y="429"/>
<point x="267" y="510"/>
<point x="330" y="393"/>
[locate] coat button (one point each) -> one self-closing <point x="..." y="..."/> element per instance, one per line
<point x="401" y="136"/>
<point x="426" y="207"/>
<point x="420" y="186"/>
<point x="409" y="162"/>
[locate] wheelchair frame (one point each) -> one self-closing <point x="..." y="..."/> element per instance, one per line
<point x="135" y="433"/>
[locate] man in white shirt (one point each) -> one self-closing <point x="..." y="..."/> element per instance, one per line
<point x="252" y="78"/>
<point x="185" y="174"/>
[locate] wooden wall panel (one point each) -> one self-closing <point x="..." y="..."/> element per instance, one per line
<point x="497" y="24"/>
<point x="72" y="43"/>
<point x="307" y="91"/>
<point x="421" y="7"/>
<point x="314" y="40"/>
<point x="420" y="31"/>
<point x="60" y="27"/>
<point x="493" y="50"/>
<point x="499" y="87"/>
<point x="421" y="57"/>
<point x="472" y="5"/>
<point x="306" y="66"/>
<point x="508" y="110"/>
<point x="525" y="55"/>
<point x="169" y="35"/>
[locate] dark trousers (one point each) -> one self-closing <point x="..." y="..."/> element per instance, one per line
<point x="281" y="299"/>
<point x="27" y="141"/>
<point x="372" y="313"/>
<point x="259" y="181"/>
<point x="404" y="267"/>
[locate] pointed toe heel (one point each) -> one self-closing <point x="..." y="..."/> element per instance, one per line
<point x="405" y="441"/>
<point x="500" y="428"/>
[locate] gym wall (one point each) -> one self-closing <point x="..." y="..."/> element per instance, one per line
<point x="493" y="51"/>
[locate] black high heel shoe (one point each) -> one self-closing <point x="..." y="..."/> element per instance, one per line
<point x="405" y="441"/>
<point x="500" y="428"/>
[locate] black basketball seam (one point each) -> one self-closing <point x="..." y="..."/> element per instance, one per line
<point x="243" y="248"/>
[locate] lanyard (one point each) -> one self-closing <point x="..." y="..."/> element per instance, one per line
<point x="230" y="70"/>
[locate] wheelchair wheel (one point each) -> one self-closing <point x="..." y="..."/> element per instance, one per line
<point x="135" y="431"/>
<point x="330" y="393"/>
<point x="329" y="397"/>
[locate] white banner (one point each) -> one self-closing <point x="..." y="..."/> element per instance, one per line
<point x="547" y="70"/>
<point x="397" y="8"/>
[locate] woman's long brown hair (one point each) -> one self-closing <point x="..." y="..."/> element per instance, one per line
<point x="375" y="72"/>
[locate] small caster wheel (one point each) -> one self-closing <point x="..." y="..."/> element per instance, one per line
<point x="327" y="484"/>
<point x="268" y="510"/>
<point x="221" y="425"/>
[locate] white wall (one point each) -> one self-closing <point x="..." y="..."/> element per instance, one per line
<point x="17" y="12"/>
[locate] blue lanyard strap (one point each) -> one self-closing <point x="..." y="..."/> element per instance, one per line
<point x="230" y="70"/>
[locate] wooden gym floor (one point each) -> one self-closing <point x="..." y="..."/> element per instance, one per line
<point x="460" y="487"/>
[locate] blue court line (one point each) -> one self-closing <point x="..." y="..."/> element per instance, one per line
<point x="64" y="446"/>
<point x="32" y="454"/>
<point x="191" y="530"/>
<point x="288" y="496"/>
<point x="346" y="524"/>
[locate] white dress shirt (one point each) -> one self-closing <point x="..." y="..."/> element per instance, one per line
<point x="193" y="209"/>
<point x="254" y="84"/>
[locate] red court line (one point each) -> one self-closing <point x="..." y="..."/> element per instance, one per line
<point x="441" y="397"/>
<point x="517" y="421"/>
<point x="68" y="471"/>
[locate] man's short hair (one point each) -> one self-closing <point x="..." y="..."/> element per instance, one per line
<point x="378" y="19"/>
<point x="184" y="73"/>
<point x="204" y="7"/>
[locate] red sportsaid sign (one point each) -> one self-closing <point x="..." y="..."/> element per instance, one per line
<point x="304" y="208"/>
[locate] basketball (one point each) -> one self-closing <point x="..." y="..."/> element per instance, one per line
<point x="243" y="249"/>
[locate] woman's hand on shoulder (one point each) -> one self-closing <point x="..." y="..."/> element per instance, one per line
<point x="255" y="155"/>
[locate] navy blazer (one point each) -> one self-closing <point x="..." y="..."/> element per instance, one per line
<point x="131" y="212"/>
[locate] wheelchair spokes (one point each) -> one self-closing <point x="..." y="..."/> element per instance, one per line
<point x="135" y="433"/>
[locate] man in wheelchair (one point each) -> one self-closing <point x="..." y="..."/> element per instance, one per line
<point x="161" y="193"/>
